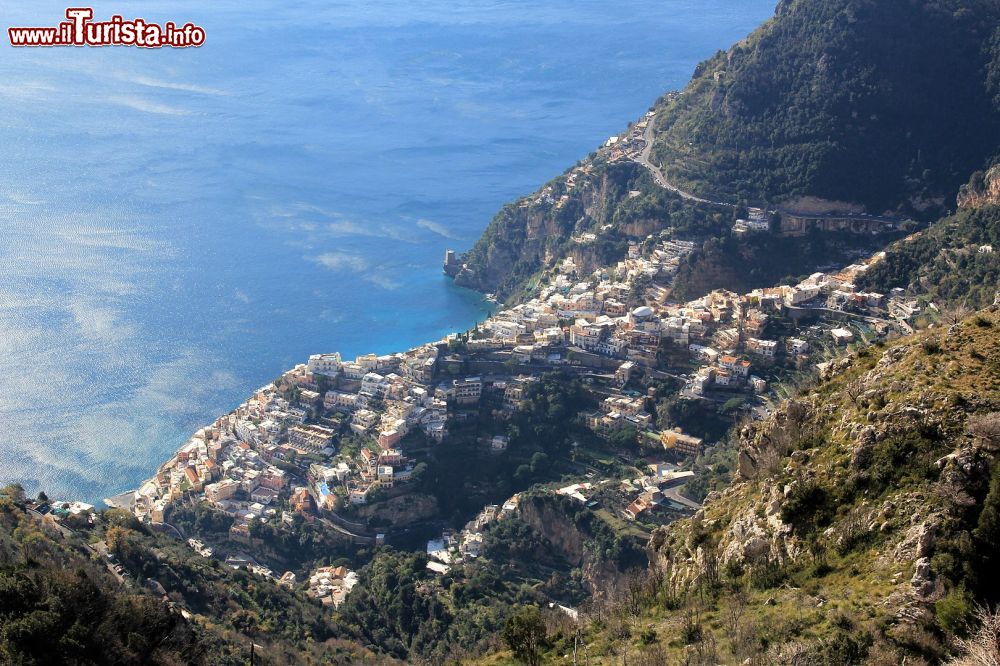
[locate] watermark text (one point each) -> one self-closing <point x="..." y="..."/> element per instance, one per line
<point x="79" y="29"/>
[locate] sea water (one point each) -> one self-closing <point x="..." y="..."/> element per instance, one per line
<point x="180" y="226"/>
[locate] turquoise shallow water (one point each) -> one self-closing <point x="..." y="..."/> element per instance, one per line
<point x="178" y="227"/>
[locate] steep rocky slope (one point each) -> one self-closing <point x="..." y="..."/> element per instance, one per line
<point x="584" y="540"/>
<point x="614" y="202"/>
<point x="861" y="527"/>
<point x="520" y="239"/>
<point x="983" y="189"/>
<point x="876" y="480"/>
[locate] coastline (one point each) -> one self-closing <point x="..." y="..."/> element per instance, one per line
<point x="292" y="429"/>
<point x="484" y="305"/>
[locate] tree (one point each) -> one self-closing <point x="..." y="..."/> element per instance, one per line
<point x="115" y="517"/>
<point x="987" y="538"/>
<point x="623" y="439"/>
<point x="524" y="634"/>
<point x="119" y="540"/>
<point x="15" y="491"/>
<point x="418" y="472"/>
<point x="539" y="462"/>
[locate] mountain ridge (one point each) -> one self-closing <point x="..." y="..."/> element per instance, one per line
<point x="829" y="108"/>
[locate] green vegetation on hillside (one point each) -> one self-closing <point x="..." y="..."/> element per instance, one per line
<point x="945" y="262"/>
<point x="401" y="609"/>
<point x="60" y="603"/>
<point x="870" y="101"/>
<point x="465" y="475"/>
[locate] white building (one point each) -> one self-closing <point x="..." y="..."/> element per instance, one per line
<point x="324" y="364"/>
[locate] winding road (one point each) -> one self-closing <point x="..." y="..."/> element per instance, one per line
<point x="643" y="159"/>
<point x="660" y="179"/>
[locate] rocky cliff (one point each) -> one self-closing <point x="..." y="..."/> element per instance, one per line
<point x="982" y="190"/>
<point x="862" y="498"/>
<point x="528" y="235"/>
<point x="583" y="540"/>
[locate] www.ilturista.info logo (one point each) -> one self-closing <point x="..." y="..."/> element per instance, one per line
<point x="81" y="30"/>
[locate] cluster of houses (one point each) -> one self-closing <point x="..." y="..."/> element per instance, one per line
<point x="757" y="221"/>
<point x="591" y="316"/>
<point x="617" y="412"/>
<point x="648" y="491"/>
<point x="559" y="198"/>
<point x="628" y="146"/>
<point x="739" y="341"/>
<point x="222" y="467"/>
<point x="289" y="432"/>
<point x="244" y="462"/>
<point x="331" y="584"/>
<point x="467" y="543"/>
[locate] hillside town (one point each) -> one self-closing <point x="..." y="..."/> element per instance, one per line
<point x="332" y="433"/>
<point x="292" y="429"/>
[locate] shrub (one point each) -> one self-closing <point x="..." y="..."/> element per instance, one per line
<point x="648" y="637"/>
<point x="767" y="575"/>
<point x="931" y="347"/>
<point x="986" y="427"/>
<point x="982" y="647"/>
<point x="954" y="611"/>
<point x="899" y="457"/>
<point x="691" y="632"/>
<point x="524" y="634"/>
<point x="808" y="507"/>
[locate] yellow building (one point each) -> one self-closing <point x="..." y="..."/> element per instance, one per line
<point x="676" y="440"/>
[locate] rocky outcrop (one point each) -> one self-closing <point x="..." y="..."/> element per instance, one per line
<point x="401" y="510"/>
<point x="982" y="190"/>
<point x="580" y="537"/>
<point x="817" y="206"/>
<point x="535" y="232"/>
<point x="756" y="538"/>
<point x="551" y="522"/>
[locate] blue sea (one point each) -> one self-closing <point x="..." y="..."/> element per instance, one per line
<point x="180" y="226"/>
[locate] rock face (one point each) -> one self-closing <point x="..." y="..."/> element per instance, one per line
<point x="982" y="190"/>
<point x="754" y="540"/>
<point x="527" y="236"/>
<point x="402" y="510"/>
<point x="574" y="535"/>
<point x="883" y="464"/>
